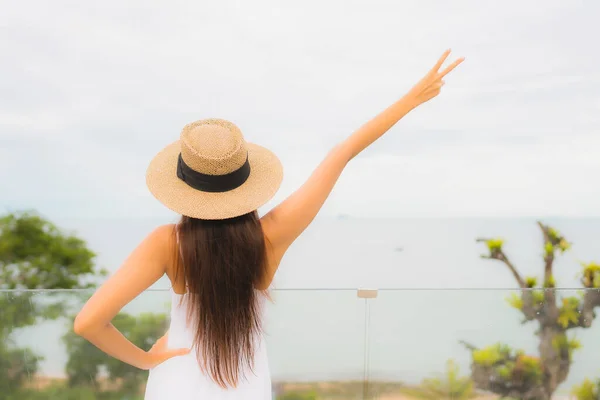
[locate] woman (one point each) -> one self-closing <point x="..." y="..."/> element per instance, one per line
<point x="220" y="257"/>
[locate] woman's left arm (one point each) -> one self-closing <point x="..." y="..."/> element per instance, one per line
<point x="143" y="267"/>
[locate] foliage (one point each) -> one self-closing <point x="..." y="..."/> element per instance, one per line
<point x="450" y="386"/>
<point x="500" y="370"/>
<point x="515" y="301"/>
<point x="531" y="281"/>
<point x="86" y="360"/>
<point x="587" y="390"/>
<point x="557" y="240"/>
<point x="537" y="299"/>
<point x="569" y="312"/>
<point x="491" y="355"/>
<point x="298" y="396"/>
<point x="548" y="248"/>
<point x="563" y="343"/>
<point x="550" y="283"/>
<point x="16" y="365"/>
<point x="507" y="364"/>
<point x="591" y="275"/>
<point x="62" y="392"/>
<point x="529" y="367"/>
<point x="34" y="254"/>
<point x="494" y="244"/>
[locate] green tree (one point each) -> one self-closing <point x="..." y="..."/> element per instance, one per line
<point x="450" y="386"/>
<point x="34" y="254"/>
<point x="86" y="360"/>
<point x="16" y="365"/>
<point x="510" y="373"/>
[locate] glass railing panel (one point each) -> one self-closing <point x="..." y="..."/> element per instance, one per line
<point x="315" y="339"/>
<point x="42" y="358"/>
<point x="454" y="344"/>
<point x="316" y="343"/>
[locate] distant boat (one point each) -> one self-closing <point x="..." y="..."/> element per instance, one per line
<point x="399" y="249"/>
<point x="343" y="216"/>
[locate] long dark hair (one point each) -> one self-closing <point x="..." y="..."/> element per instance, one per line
<point x="222" y="262"/>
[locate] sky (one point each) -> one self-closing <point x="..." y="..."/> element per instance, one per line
<point x="91" y="91"/>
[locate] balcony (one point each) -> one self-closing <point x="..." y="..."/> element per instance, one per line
<point x="323" y="344"/>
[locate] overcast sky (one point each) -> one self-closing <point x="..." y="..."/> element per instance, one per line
<point x="91" y="90"/>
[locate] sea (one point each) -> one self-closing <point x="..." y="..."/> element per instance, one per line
<point x="434" y="290"/>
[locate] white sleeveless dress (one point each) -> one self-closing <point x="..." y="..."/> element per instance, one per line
<point x="181" y="378"/>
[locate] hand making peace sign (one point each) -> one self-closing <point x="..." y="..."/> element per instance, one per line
<point x="430" y="85"/>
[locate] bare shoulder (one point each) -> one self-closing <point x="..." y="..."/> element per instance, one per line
<point x="161" y="242"/>
<point x="163" y="234"/>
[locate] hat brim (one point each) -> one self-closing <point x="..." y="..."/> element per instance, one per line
<point x="266" y="174"/>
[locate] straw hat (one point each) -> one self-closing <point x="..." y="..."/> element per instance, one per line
<point x="211" y="172"/>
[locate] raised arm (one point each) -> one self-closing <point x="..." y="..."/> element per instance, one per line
<point x="288" y="220"/>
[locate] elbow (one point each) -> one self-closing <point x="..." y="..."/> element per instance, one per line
<point x="81" y="327"/>
<point x="344" y="152"/>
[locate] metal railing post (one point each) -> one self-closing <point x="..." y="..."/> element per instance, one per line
<point x="367" y="294"/>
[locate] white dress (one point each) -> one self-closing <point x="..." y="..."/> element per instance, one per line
<point x="180" y="378"/>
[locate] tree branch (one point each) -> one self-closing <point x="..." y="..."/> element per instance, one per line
<point x="498" y="254"/>
<point x="468" y="345"/>
<point x="591" y="300"/>
<point x="550" y="308"/>
<point x="548" y="255"/>
<point x="529" y="308"/>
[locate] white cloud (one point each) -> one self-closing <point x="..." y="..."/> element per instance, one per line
<point x="91" y="91"/>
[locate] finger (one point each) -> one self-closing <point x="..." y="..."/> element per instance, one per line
<point x="438" y="65"/>
<point x="450" y="67"/>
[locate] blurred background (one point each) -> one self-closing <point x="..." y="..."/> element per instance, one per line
<point x="90" y="92"/>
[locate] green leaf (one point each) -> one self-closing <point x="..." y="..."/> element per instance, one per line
<point x="515" y="301"/>
<point x="531" y="281"/>
<point x="563" y="245"/>
<point x="569" y="312"/>
<point x="550" y="283"/>
<point x="491" y="355"/>
<point x="494" y="244"/>
<point x="548" y="248"/>
<point x="591" y="275"/>
<point x="538" y="297"/>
